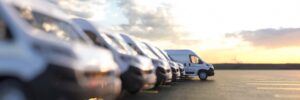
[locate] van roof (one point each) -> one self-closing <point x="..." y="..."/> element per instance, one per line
<point x="180" y="51"/>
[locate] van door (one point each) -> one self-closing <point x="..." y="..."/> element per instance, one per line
<point x="195" y="64"/>
<point x="189" y="69"/>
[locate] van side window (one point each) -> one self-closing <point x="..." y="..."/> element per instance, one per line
<point x="194" y="59"/>
<point x="91" y="35"/>
<point x="180" y="58"/>
<point x="5" y="33"/>
<point x="200" y="61"/>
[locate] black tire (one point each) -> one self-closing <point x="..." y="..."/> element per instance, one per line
<point x="161" y="78"/>
<point x="174" y="75"/>
<point x="132" y="80"/>
<point x="12" y="90"/>
<point x="202" y="75"/>
<point x="174" y="78"/>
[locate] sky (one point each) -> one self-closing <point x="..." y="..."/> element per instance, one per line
<point x="220" y="31"/>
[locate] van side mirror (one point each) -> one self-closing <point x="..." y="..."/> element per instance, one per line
<point x="5" y="33"/>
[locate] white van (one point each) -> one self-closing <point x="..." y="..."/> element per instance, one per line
<point x="144" y="63"/>
<point x="137" y="72"/>
<point x="163" y="70"/>
<point x="179" y="69"/>
<point x="173" y="66"/>
<point x="42" y="57"/>
<point x="193" y="64"/>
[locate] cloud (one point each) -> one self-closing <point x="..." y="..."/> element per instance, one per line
<point x="82" y="8"/>
<point x="270" y="38"/>
<point x="154" y="23"/>
<point x="145" y="19"/>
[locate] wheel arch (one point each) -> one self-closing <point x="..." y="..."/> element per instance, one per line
<point x="201" y="70"/>
<point x="10" y="77"/>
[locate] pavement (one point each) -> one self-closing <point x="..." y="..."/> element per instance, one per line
<point x="231" y="85"/>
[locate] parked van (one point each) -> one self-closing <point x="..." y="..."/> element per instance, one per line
<point x="181" y="68"/>
<point x="174" y="67"/>
<point x="146" y="64"/>
<point x="178" y="67"/>
<point x="132" y="66"/>
<point x="193" y="64"/>
<point x="43" y="57"/>
<point x="163" y="70"/>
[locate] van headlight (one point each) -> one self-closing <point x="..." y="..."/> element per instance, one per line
<point x="98" y="74"/>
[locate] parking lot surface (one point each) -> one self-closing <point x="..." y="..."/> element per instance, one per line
<point x="231" y="85"/>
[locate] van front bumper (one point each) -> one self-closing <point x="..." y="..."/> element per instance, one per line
<point x="211" y="72"/>
<point x="59" y="82"/>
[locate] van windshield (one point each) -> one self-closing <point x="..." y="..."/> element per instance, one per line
<point x="2" y="29"/>
<point x="121" y="44"/>
<point x="165" y="54"/>
<point x="146" y="50"/>
<point x="55" y="27"/>
<point x="158" y="53"/>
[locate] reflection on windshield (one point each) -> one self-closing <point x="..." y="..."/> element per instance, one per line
<point x="164" y="54"/>
<point x="146" y="50"/>
<point x="158" y="53"/>
<point x="50" y="25"/>
<point x="122" y="45"/>
<point x="113" y="43"/>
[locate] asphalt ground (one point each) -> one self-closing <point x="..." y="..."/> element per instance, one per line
<point x="230" y="85"/>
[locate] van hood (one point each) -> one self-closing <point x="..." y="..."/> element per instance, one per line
<point x="161" y="63"/>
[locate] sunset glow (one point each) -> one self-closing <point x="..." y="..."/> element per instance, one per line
<point x="221" y="31"/>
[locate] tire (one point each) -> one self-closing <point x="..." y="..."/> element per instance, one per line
<point x="202" y="75"/>
<point x="12" y="90"/>
<point x="174" y="75"/>
<point x="174" y="78"/>
<point x="160" y="79"/>
<point x="132" y="80"/>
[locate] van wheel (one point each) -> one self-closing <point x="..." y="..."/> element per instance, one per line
<point x="202" y="75"/>
<point x="161" y="78"/>
<point x="12" y="90"/>
<point x="174" y="78"/>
